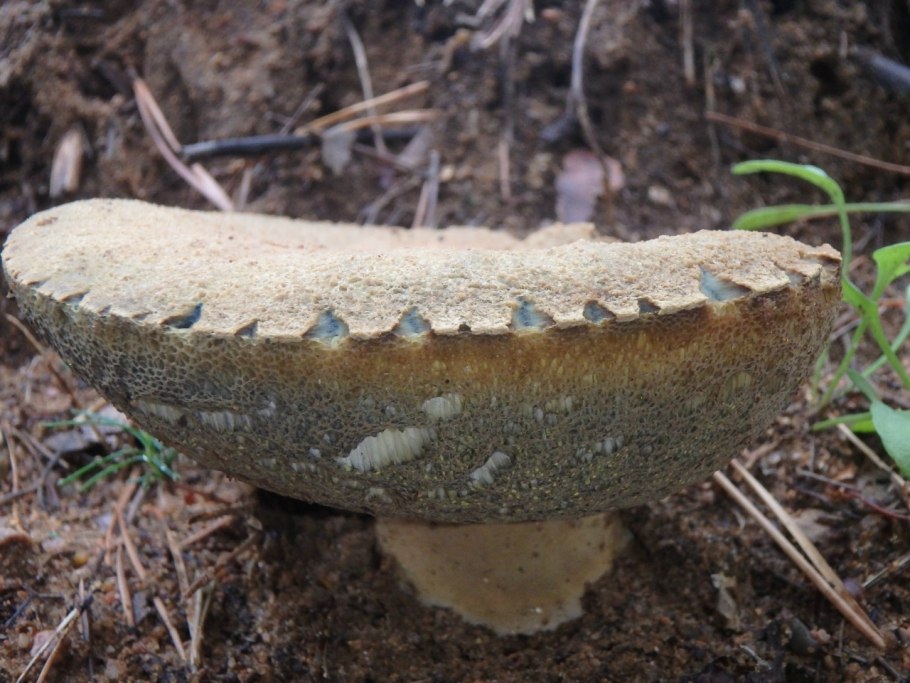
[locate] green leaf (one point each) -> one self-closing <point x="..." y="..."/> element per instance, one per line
<point x="891" y="263"/>
<point x="893" y="427"/>
<point x="855" y="297"/>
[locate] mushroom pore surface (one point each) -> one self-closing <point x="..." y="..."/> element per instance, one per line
<point x="457" y="375"/>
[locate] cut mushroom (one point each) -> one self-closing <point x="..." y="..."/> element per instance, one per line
<point x="455" y="377"/>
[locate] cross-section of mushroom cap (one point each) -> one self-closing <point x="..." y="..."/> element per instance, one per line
<point x="458" y="375"/>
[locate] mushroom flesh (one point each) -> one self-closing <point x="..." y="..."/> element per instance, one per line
<point x="489" y="399"/>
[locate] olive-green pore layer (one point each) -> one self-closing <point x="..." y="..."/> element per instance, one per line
<point x="462" y="428"/>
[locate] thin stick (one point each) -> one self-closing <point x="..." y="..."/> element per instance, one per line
<point x="576" y="89"/>
<point x="171" y="629"/>
<point x="510" y="23"/>
<point x="892" y="568"/>
<point x="432" y="187"/>
<point x="193" y="621"/>
<point x="850" y="611"/>
<point x="902" y="485"/>
<point x="308" y="101"/>
<point x="363" y="73"/>
<point x="504" y="146"/>
<point x="211" y="574"/>
<point x="370" y="213"/>
<point x="62" y="628"/>
<point x="253" y="145"/>
<point x="43" y="352"/>
<point x="13" y="466"/>
<point x="807" y="546"/>
<point x="202" y="600"/>
<point x="85" y="625"/>
<point x="790" y="525"/>
<point x="393" y="119"/>
<point x="687" y="40"/>
<point x="182" y="577"/>
<point x="21" y="493"/>
<point x="126" y="598"/>
<point x="147" y="101"/>
<point x="122" y="500"/>
<point x="131" y="550"/>
<point x="206" y="531"/>
<point x="807" y="144"/>
<point x="196" y="176"/>
<point x="764" y="37"/>
<point x="353" y="110"/>
<point x="710" y="66"/>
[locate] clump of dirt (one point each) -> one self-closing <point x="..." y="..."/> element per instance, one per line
<point x="291" y="591"/>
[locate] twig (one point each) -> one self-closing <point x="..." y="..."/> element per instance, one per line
<point x="253" y="145"/>
<point x="308" y="101"/>
<point x="36" y="449"/>
<point x="894" y="567"/>
<point x="848" y="608"/>
<point x="182" y="577"/>
<point x="370" y="213"/>
<point x="13" y="465"/>
<point x="854" y="493"/>
<point x="62" y="629"/>
<point x="147" y="103"/>
<point x="889" y="73"/>
<point x="197" y="177"/>
<point x="353" y="110"/>
<point x="212" y="573"/>
<point x="206" y="531"/>
<point x="85" y="626"/>
<point x="43" y="352"/>
<point x="363" y="73"/>
<point x="807" y="546"/>
<point x="171" y="629"/>
<point x="902" y="485"/>
<point x="787" y="138"/>
<point x="576" y="88"/>
<point x="710" y="67"/>
<point x="425" y="214"/>
<point x="687" y="40"/>
<point x="21" y="493"/>
<point x="392" y="119"/>
<point x="202" y="600"/>
<point x="764" y="37"/>
<point x="131" y="550"/>
<point x="504" y="146"/>
<point x="122" y="500"/>
<point x="508" y="26"/>
<point x="197" y="611"/>
<point x="126" y="598"/>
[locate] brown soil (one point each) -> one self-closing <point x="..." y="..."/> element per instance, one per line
<point x="300" y="592"/>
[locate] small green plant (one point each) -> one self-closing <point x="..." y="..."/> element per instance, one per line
<point x="156" y="458"/>
<point x="891" y="262"/>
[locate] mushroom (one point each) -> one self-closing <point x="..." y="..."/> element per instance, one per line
<point x="491" y="400"/>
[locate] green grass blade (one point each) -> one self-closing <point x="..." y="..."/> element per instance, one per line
<point x="860" y="423"/>
<point x="817" y="177"/>
<point x="773" y="216"/>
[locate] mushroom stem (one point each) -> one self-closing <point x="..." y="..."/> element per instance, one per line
<point x="512" y="577"/>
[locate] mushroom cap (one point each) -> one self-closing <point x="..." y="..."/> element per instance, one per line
<point x="410" y="373"/>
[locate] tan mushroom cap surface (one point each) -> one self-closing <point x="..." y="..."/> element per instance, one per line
<point x="458" y="375"/>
